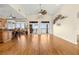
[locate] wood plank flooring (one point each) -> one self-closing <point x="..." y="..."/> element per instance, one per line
<point x="38" y="45"/>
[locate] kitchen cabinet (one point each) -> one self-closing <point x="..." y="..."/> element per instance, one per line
<point x="1" y="36"/>
<point x="2" y="28"/>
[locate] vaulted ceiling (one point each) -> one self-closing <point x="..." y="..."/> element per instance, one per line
<point x="6" y="10"/>
<point x="24" y="10"/>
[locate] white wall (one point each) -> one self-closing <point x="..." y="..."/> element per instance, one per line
<point x="69" y="26"/>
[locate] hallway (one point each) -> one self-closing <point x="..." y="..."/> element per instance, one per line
<point x="37" y="45"/>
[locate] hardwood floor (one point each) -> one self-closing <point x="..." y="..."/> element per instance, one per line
<point x="38" y="45"/>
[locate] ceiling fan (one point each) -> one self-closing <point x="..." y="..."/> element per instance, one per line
<point x="11" y="17"/>
<point x="59" y="17"/>
<point x="42" y="11"/>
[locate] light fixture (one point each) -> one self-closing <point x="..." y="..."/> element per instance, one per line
<point x="42" y="11"/>
<point x="11" y="16"/>
<point x="58" y="19"/>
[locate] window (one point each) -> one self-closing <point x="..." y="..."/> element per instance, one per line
<point x="44" y="27"/>
<point x="11" y="25"/>
<point x="20" y="25"/>
<point x="35" y="27"/>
